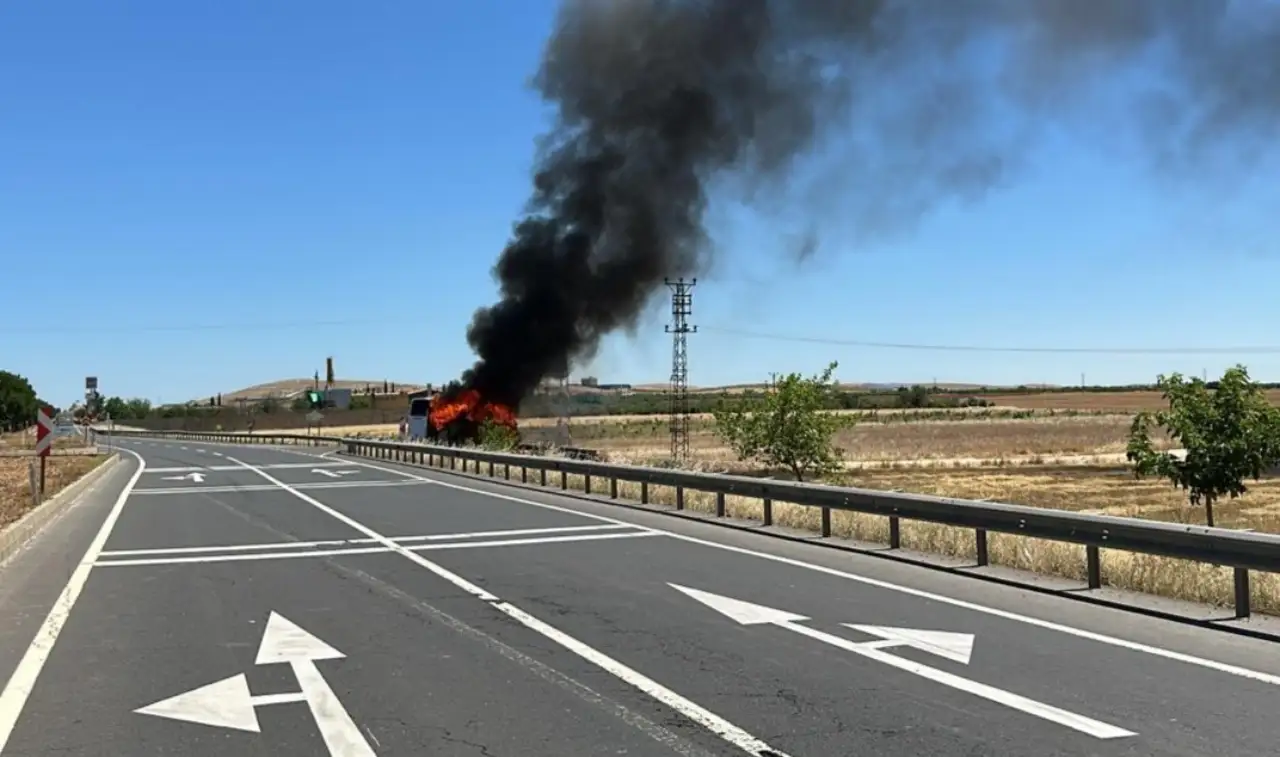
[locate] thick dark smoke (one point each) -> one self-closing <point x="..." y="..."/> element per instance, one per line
<point x="923" y="101"/>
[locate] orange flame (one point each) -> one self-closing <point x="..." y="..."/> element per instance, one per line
<point x="468" y="403"/>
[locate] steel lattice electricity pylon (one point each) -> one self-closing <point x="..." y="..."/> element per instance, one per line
<point x="679" y="328"/>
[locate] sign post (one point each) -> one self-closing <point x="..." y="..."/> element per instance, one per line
<point x="44" y="440"/>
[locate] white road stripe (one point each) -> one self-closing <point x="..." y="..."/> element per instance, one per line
<point x="242" y="557"/>
<point x="18" y="688"/>
<point x="269" y="466"/>
<point x="695" y="712"/>
<point x="230" y="488"/>
<point x="345" y="542"/>
<point x="725" y="730"/>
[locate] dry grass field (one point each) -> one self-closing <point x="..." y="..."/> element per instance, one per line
<point x="64" y="467"/>
<point x="1121" y="402"/>
<point x="994" y="442"/>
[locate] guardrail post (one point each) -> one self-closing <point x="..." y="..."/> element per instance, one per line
<point x="586" y="484"/>
<point x="506" y="471"/>
<point x="767" y="520"/>
<point x="679" y="497"/>
<point x="981" y="536"/>
<point x="826" y="522"/>
<point x="490" y="468"/>
<point x="613" y="488"/>
<point x="1242" y="592"/>
<point x="644" y="492"/>
<point x="895" y="532"/>
<point x="719" y="504"/>
<point x="1093" y="566"/>
<point x="524" y="474"/>
<point x="564" y="480"/>
<point x="453" y="462"/>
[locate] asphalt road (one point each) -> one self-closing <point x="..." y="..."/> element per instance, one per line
<point x="332" y="606"/>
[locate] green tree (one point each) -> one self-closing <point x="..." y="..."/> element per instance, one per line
<point x="497" y="437"/>
<point x="914" y="397"/>
<point x="137" y="408"/>
<point x="788" y="427"/>
<point x="1229" y="434"/>
<point x="18" y="402"/>
<point x="116" y="407"/>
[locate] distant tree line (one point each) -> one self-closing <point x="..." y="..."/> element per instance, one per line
<point x="19" y="403"/>
<point x="653" y="403"/>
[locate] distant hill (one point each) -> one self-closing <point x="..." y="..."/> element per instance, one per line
<point x="290" y="388"/>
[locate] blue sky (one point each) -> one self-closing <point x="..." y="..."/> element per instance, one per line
<point x="195" y="197"/>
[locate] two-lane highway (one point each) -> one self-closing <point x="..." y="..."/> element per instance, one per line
<point x="278" y="601"/>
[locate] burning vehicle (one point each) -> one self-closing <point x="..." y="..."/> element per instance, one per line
<point x="456" y="416"/>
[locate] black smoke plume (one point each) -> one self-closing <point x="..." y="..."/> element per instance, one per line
<point x="660" y="101"/>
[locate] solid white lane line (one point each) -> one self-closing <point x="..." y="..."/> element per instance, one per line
<point x="514" y="532"/>
<point x="344" y="542"/>
<point x="269" y="466"/>
<point x="18" y="688"/>
<point x="726" y="730"/>
<point x="246" y="557"/>
<point x="231" y="488"/>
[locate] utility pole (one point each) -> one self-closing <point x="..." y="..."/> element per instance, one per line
<point x="564" y="436"/>
<point x="679" y="328"/>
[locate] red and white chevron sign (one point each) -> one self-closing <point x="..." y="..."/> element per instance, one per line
<point x="44" y="432"/>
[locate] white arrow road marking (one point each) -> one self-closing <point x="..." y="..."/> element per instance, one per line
<point x="284" y="641"/>
<point x="196" y="477"/>
<point x="332" y="473"/>
<point x="747" y="613"/>
<point x="222" y="704"/>
<point x="229" y="704"/>
<point x="948" y="644"/>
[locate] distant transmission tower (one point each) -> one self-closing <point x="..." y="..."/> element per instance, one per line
<point x="679" y="328"/>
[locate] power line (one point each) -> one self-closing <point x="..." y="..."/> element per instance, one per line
<point x="171" y="328"/>
<point x="1253" y="350"/>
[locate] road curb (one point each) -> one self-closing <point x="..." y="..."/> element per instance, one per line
<point x="17" y="534"/>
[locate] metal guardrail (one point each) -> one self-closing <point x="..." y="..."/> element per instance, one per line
<point x="1240" y="550"/>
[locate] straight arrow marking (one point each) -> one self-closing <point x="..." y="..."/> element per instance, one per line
<point x="339" y="731"/>
<point x="285" y="641"/>
<point x="747" y="613"/>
